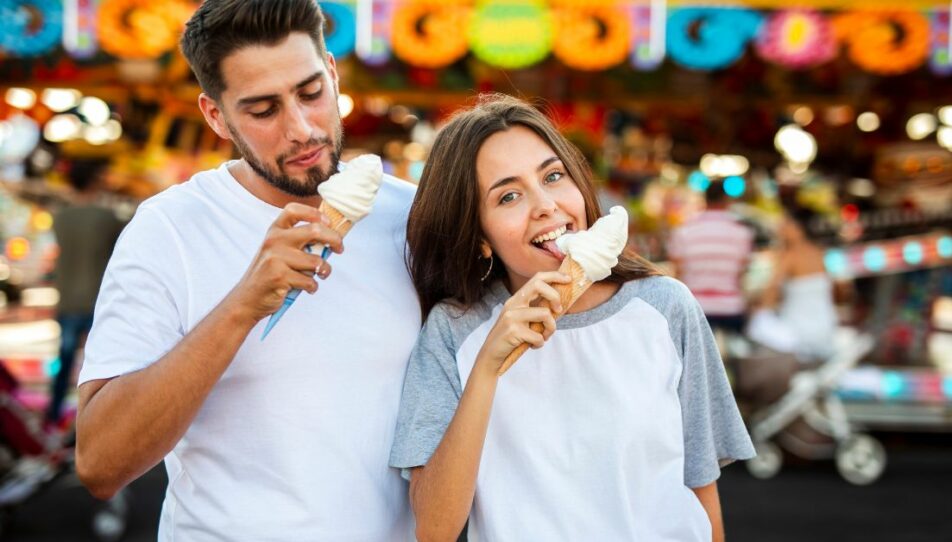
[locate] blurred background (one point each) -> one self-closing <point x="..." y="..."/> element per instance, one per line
<point x="818" y="130"/>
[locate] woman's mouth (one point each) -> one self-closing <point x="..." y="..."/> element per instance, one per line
<point x="546" y="242"/>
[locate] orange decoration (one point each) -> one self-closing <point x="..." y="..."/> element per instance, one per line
<point x="430" y="33"/>
<point x="141" y="29"/>
<point x="590" y="35"/>
<point x="876" y="46"/>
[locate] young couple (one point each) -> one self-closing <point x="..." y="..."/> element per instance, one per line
<point x="614" y="427"/>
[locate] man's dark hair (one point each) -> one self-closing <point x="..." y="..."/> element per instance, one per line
<point x="715" y="194"/>
<point x="218" y="28"/>
<point x="86" y="173"/>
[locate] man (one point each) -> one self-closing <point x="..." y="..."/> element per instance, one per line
<point x="710" y="253"/>
<point x="85" y="232"/>
<point x="285" y="438"/>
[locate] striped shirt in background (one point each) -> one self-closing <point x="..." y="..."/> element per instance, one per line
<point x="712" y="251"/>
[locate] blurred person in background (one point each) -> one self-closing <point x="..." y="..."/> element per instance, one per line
<point x="796" y="313"/>
<point x="86" y="232"/>
<point x="710" y="253"/>
<point x="285" y="438"/>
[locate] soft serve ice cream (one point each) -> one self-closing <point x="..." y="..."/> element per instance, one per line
<point x="352" y="191"/>
<point x="596" y="249"/>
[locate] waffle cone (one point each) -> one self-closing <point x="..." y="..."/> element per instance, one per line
<point x="339" y="222"/>
<point x="569" y="294"/>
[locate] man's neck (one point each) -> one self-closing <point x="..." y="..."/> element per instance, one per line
<point x="263" y="190"/>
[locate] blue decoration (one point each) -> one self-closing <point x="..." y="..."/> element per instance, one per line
<point x="836" y="263"/>
<point x="342" y="38"/>
<point x="874" y="258"/>
<point x="912" y="252"/>
<point x="944" y="246"/>
<point x="947" y="386"/>
<point x="16" y="19"/>
<point x="698" y="181"/>
<point x="722" y="36"/>
<point x="734" y="186"/>
<point x="893" y="384"/>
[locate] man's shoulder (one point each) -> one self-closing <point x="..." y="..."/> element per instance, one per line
<point x="183" y="197"/>
<point x="396" y="191"/>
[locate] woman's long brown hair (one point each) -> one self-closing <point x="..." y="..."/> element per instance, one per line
<point x="443" y="231"/>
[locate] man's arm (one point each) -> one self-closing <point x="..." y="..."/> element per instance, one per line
<point x="712" y="505"/>
<point x="125" y="425"/>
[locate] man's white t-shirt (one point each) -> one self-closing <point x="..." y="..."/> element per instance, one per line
<point x="600" y="434"/>
<point x="292" y="443"/>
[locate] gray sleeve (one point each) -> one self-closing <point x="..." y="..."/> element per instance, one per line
<point x="431" y="392"/>
<point x="714" y="433"/>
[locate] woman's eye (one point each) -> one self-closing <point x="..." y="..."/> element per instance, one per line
<point x="507" y="197"/>
<point x="553" y="176"/>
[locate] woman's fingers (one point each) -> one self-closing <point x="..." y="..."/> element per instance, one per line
<point x="539" y="287"/>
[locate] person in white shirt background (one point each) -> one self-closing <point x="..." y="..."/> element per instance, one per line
<point x="279" y="439"/>
<point x="615" y="426"/>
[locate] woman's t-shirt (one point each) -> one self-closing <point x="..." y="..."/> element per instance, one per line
<point x="596" y="436"/>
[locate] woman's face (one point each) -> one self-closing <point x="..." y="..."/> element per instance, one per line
<point x="527" y="200"/>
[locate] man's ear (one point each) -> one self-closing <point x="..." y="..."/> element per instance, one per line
<point x="214" y="115"/>
<point x="332" y="70"/>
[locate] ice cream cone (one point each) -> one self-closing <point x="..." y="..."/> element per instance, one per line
<point x="339" y="222"/>
<point x="569" y="294"/>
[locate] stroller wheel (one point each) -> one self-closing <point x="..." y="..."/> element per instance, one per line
<point x="109" y="523"/>
<point x="768" y="461"/>
<point x="860" y="459"/>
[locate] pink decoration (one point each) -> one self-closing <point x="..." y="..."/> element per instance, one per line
<point x="797" y="38"/>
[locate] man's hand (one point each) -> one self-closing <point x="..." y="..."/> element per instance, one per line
<point x="282" y="264"/>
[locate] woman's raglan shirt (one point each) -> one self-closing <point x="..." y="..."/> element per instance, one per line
<point x="600" y="434"/>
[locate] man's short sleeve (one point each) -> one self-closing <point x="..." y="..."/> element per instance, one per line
<point x="714" y="433"/>
<point x="140" y="310"/>
<point x="431" y="393"/>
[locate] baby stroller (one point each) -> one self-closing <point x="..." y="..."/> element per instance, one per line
<point x="33" y="458"/>
<point x="794" y="406"/>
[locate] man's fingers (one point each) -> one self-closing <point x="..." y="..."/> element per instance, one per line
<point x="316" y="235"/>
<point x="300" y="281"/>
<point x="294" y="213"/>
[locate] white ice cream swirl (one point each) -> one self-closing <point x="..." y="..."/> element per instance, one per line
<point x="352" y="191"/>
<point x="597" y="248"/>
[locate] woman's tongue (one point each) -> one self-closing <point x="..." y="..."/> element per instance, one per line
<point x="552" y="248"/>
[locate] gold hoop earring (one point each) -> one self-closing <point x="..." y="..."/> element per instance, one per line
<point x="488" y="271"/>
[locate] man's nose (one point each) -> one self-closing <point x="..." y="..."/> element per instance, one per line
<point x="298" y="129"/>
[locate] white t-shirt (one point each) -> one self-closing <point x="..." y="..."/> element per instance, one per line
<point x="292" y="442"/>
<point x="598" y="435"/>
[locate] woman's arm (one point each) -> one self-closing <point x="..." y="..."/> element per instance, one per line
<point x="712" y="505"/>
<point x="442" y="491"/>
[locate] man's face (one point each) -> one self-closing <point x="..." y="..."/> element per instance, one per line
<point x="280" y="109"/>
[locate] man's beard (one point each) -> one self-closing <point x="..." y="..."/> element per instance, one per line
<point x="277" y="177"/>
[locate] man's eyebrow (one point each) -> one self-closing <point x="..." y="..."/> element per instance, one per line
<point x="269" y="97"/>
<point x="507" y="180"/>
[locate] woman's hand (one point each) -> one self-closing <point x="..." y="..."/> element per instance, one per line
<point x="524" y="308"/>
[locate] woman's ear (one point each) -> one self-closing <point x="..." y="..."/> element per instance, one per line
<point x="485" y="249"/>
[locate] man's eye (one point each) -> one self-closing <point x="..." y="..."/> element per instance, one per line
<point x="318" y="90"/>
<point x="263" y="114"/>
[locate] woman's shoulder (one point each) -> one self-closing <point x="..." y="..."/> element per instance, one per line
<point x="458" y="320"/>
<point x="667" y="295"/>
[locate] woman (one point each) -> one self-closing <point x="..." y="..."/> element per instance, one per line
<point x="616" y="428"/>
<point x="796" y="313"/>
